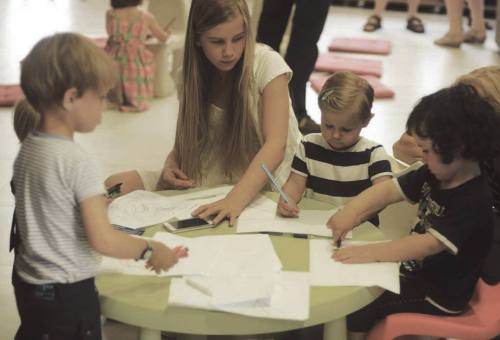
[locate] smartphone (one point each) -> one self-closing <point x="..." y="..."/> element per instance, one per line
<point x="177" y="226"/>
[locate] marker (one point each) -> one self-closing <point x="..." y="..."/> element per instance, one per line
<point x="339" y="242"/>
<point x="275" y="183"/>
<point x="115" y="190"/>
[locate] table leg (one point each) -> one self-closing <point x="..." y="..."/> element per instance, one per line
<point x="149" y="334"/>
<point x="335" y="330"/>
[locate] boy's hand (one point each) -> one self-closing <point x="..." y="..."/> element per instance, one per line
<point x="287" y="210"/>
<point x="180" y="251"/>
<point x="163" y="257"/>
<point x="341" y="223"/>
<point x="359" y="254"/>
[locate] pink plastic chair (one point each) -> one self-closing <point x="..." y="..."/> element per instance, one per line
<point x="482" y="321"/>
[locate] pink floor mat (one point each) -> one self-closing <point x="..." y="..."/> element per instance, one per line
<point x="380" y="90"/>
<point x="360" y="45"/>
<point x="329" y="62"/>
<point x="10" y="94"/>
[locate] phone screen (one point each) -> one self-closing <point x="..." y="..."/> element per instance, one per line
<point x="189" y="223"/>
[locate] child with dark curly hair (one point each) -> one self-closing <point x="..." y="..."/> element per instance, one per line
<point x="443" y="255"/>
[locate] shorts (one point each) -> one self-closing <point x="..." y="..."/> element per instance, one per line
<point x="57" y="311"/>
<point x="411" y="300"/>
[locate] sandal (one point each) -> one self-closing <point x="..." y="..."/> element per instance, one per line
<point x="416" y="25"/>
<point x="450" y="40"/>
<point x="373" y="23"/>
<point x="474" y="37"/>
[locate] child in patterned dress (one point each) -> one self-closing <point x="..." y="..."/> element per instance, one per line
<point x="128" y="28"/>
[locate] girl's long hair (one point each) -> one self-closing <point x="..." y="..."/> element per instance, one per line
<point x="239" y="141"/>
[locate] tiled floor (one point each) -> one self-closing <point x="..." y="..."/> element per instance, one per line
<point x="124" y="141"/>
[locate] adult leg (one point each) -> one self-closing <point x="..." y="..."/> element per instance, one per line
<point x="455" y="36"/>
<point x="413" y="7"/>
<point x="477" y="33"/>
<point x="302" y="50"/>
<point x="273" y="21"/>
<point x="379" y="7"/>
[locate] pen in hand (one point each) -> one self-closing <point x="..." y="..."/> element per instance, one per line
<point x="275" y="184"/>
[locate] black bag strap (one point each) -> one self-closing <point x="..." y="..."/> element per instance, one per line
<point x="14" y="235"/>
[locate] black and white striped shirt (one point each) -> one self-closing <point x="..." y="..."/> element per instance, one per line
<point x="52" y="175"/>
<point x="337" y="176"/>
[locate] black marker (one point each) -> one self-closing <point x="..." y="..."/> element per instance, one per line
<point x="115" y="190"/>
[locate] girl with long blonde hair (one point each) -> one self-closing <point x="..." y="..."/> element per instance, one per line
<point x="235" y="113"/>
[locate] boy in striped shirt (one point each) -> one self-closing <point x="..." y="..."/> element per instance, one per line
<point x="337" y="164"/>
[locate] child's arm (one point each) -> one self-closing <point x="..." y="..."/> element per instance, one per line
<point x="381" y="179"/>
<point x="157" y="31"/>
<point x="294" y="188"/>
<point x="111" y="242"/>
<point x="406" y="149"/>
<point x="407" y="248"/>
<point x="363" y="206"/>
<point x="275" y="131"/>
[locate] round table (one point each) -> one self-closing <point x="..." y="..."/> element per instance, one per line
<point x="140" y="300"/>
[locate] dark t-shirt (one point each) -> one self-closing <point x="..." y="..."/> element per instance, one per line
<point x="462" y="219"/>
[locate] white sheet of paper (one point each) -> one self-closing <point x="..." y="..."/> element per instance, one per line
<point x="289" y="299"/>
<point x="140" y="209"/>
<point x="229" y="255"/>
<point x="225" y="255"/>
<point x="260" y="216"/>
<point x="231" y="290"/>
<point x="327" y="272"/>
<point x="185" y="266"/>
<point x="187" y="203"/>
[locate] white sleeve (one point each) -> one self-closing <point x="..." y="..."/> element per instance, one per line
<point x="87" y="181"/>
<point x="269" y="65"/>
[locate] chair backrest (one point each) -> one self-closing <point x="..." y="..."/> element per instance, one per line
<point x="486" y="302"/>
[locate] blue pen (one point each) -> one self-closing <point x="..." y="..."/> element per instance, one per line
<point x="275" y="183"/>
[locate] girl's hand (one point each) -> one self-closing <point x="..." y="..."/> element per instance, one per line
<point x="341" y="223"/>
<point x="174" y="178"/>
<point x="359" y="254"/>
<point x="163" y="257"/>
<point x="226" y="208"/>
<point x="287" y="210"/>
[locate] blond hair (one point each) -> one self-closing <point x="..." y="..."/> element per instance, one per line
<point x="346" y="92"/>
<point x="54" y="65"/>
<point x="486" y="81"/>
<point x="238" y="136"/>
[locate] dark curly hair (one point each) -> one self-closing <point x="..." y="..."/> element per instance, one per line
<point x="459" y="122"/>
<point x="125" y="3"/>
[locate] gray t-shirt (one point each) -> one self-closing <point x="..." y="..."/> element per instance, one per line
<point x="52" y="175"/>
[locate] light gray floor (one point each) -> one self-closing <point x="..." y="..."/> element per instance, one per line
<point x="123" y="141"/>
